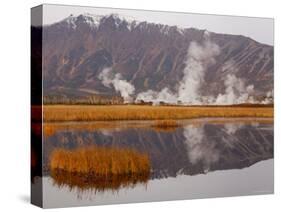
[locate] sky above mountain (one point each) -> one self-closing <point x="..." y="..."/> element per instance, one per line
<point x="259" y="29"/>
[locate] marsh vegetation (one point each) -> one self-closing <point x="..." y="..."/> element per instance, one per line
<point x="99" y="168"/>
<point x="59" y="113"/>
<point x="100" y="161"/>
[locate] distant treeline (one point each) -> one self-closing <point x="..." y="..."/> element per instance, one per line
<point x="87" y="100"/>
<point x="118" y="100"/>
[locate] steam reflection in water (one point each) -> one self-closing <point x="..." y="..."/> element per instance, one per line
<point x="193" y="148"/>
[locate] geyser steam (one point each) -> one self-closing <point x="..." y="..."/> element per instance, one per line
<point x="165" y="95"/>
<point x="198" y="59"/>
<point x="235" y="92"/>
<point x="120" y="85"/>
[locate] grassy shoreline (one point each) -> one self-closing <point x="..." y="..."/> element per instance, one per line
<point x="61" y="113"/>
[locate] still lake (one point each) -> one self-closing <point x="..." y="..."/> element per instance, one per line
<point x="200" y="158"/>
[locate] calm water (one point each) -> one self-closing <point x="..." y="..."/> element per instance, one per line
<point x="200" y="158"/>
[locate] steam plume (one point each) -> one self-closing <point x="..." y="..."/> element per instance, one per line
<point x="235" y="91"/>
<point x="198" y="59"/>
<point x="165" y="95"/>
<point x="120" y="85"/>
<point x="269" y="97"/>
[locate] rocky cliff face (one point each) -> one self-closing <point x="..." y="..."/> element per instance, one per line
<point x="147" y="55"/>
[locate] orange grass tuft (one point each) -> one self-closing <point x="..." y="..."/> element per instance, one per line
<point x="100" y="161"/>
<point x="165" y="125"/>
<point x="99" y="168"/>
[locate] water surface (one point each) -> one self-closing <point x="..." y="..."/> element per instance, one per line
<point x="199" y="158"/>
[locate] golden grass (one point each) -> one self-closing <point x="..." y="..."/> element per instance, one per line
<point x="99" y="168"/>
<point x="57" y="113"/>
<point x="100" y="161"/>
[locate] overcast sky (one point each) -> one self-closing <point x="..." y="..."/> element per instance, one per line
<point x="259" y="29"/>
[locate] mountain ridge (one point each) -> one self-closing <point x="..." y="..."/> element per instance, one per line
<point x="147" y="55"/>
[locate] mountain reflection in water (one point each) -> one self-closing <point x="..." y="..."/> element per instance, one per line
<point x="190" y="149"/>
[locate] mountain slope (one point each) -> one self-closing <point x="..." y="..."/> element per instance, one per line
<point x="149" y="56"/>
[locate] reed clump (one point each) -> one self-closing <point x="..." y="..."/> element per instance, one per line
<point x="100" y="161"/>
<point x="165" y="125"/>
<point x="99" y="168"/>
